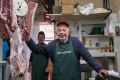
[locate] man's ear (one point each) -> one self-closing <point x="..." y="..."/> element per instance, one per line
<point x="70" y="31"/>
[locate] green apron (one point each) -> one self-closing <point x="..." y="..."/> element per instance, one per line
<point x="66" y="64"/>
<point x="39" y="65"/>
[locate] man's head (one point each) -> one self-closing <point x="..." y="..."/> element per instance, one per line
<point x="63" y="31"/>
<point x="41" y="37"/>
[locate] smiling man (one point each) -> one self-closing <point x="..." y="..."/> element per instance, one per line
<point x="65" y="53"/>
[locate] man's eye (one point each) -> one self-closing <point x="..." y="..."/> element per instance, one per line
<point x="59" y="30"/>
<point x="64" y="30"/>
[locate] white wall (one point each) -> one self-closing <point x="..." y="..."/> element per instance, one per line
<point x="35" y="32"/>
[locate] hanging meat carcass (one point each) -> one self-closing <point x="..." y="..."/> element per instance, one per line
<point x="21" y="54"/>
<point x="11" y="24"/>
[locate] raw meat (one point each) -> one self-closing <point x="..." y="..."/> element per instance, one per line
<point x="29" y="18"/>
<point x="5" y="18"/>
<point x="19" y="53"/>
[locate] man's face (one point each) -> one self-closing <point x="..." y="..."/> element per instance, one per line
<point x="62" y="33"/>
<point x="41" y="38"/>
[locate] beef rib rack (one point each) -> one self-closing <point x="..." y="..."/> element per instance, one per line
<point x="5" y="18"/>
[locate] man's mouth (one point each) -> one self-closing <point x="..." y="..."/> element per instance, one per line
<point x="61" y="35"/>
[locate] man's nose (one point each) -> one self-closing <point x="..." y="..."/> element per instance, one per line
<point x="61" y="31"/>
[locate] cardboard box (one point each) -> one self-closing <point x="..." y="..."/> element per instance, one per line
<point x="115" y="5"/>
<point x="97" y="3"/>
<point x="57" y="9"/>
<point x="67" y="9"/>
<point x="68" y="2"/>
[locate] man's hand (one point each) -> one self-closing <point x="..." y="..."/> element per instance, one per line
<point x="25" y="35"/>
<point x="103" y="73"/>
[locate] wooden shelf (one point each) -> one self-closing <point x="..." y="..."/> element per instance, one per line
<point x="94" y="47"/>
<point x="94" y="36"/>
<point x="96" y="55"/>
<point x="103" y="54"/>
<point x="103" y="23"/>
<point x="99" y="16"/>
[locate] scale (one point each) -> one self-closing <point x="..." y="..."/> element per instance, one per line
<point x="21" y="7"/>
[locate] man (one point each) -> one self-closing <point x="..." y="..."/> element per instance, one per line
<point x="65" y="53"/>
<point x="39" y="62"/>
